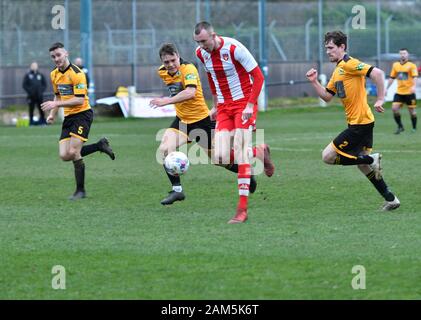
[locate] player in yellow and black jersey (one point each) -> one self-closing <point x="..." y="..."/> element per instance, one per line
<point x="406" y="73"/>
<point x="69" y="85"/>
<point x="353" y="145"/>
<point x="192" y="122"/>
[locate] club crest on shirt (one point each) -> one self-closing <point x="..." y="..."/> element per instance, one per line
<point x="225" y="56"/>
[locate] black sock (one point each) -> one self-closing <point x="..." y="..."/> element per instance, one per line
<point x="175" y="181"/>
<point x="381" y="187"/>
<point x="398" y="120"/>
<point x="414" y="121"/>
<point x="366" y="159"/>
<point x="79" y="174"/>
<point x="233" y="167"/>
<point x="90" y="148"/>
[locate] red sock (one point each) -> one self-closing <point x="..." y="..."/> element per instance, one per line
<point x="244" y="173"/>
<point x="254" y="152"/>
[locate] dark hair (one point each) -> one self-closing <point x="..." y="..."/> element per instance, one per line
<point x="168" y="48"/>
<point x="337" y="37"/>
<point x="402" y="49"/>
<point x="56" y="46"/>
<point x="202" y="25"/>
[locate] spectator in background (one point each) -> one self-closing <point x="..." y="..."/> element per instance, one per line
<point x="79" y="62"/>
<point x="34" y="84"/>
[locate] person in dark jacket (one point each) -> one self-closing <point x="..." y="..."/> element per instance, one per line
<point x="34" y="84"/>
<point x="79" y="62"/>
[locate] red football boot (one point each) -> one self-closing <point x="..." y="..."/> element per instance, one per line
<point x="240" y="216"/>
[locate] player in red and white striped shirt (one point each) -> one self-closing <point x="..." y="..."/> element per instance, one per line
<point x="230" y="67"/>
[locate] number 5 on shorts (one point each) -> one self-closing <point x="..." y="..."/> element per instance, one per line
<point x="80" y="130"/>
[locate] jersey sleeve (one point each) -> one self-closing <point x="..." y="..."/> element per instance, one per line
<point x="244" y="57"/>
<point x="357" y="68"/>
<point x="330" y="87"/>
<point x="190" y="76"/>
<point x="393" y="72"/>
<point x="79" y="84"/>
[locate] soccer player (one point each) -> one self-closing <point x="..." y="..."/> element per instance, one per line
<point x="230" y="67"/>
<point x="353" y="145"/>
<point x="406" y="74"/>
<point x="192" y="122"/>
<point x="69" y="85"/>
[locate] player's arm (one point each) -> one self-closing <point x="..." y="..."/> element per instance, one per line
<point x="377" y="76"/>
<point x="321" y="91"/>
<point x="187" y="94"/>
<point x="53" y="112"/>
<point x="414" y="87"/>
<point x="73" y="102"/>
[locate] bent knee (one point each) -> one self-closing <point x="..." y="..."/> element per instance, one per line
<point x="328" y="158"/>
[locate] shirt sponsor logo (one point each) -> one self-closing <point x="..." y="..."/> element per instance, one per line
<point x="191" y="76"/>
<point x="65" y="89"/>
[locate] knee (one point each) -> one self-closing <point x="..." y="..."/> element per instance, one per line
<point x="69" y="155"/>
<point x="328" y="158"/>
<point x="163" y="150"/>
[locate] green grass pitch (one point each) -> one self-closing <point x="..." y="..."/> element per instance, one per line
<point x="309" y="224"/>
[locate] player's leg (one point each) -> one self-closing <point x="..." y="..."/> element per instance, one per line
<point x="69" y="149"/>
<point x="396" y="106"/>
<point x="171" y="140"/>
<point x="345" y="149"/>
<point x="391" y="201"/>
<point x="206" y="133"/>
<point x="412" y="112"/>
<point x="242" y="155"/>
<point x="102" y="145"/>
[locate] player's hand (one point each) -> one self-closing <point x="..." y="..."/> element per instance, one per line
<point x="50" y="119"/>
<point x="378" y="106"/>
<point x="159" y="102"/>
<point x="48" y="105"/>
<point x="212" y="113"/>
<point x="312" y="75"/>
<point x="247" y="112"/>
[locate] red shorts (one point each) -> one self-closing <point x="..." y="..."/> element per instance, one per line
<point x="228" y="116"/>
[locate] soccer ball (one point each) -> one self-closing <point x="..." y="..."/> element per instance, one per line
<point x="176" y="163"/>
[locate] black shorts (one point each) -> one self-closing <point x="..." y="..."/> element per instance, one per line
<point x="354" y="140"/>
<point x="200" y="131"/>
<point x="77" y="125"/>
<point x="409" y="99"/>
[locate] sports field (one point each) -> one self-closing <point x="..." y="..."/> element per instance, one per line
<point x="308" y="226"/>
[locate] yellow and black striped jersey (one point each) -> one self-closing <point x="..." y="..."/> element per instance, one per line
<point x="348" y="82"/>
<point x="191" y="110"/>
<point x="68" y="84"/>
<point x="404" y="74"/>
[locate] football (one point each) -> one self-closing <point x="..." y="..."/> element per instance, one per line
<point x="176" y="163"/>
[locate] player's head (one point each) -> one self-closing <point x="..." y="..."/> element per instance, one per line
<point x="205" y="36"/>
<point x="170" y="57"/>
<point x="34" y="66"/>
<point x="404" y="54"/>
<point x="335" y="44"/>
<point x="78" y="61"/>
<point x="59" y="55"/>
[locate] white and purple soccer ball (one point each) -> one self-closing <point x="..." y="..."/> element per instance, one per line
<point x="176" y="163"/>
